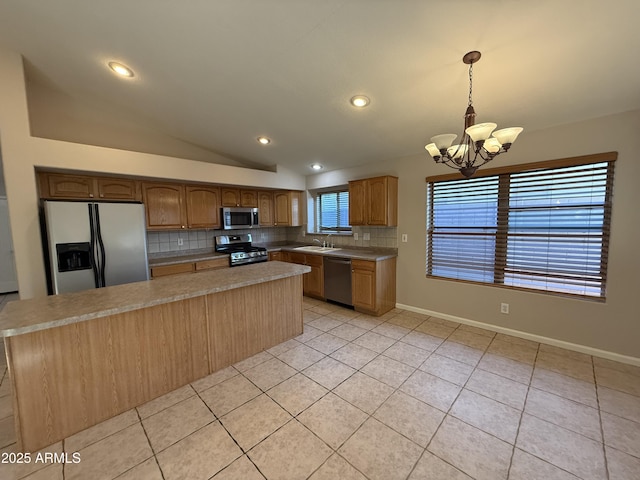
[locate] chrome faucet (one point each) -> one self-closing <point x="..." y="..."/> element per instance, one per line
<point x="327" y="244"/>
<point x="319" y="242"/>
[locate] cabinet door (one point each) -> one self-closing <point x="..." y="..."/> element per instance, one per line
<point x="313" y="282"/>
<point x="276" y="256"/>
<point x="363" y="284"/>
<point x="265" y="205"/>
<point x="230" y="197"/>
<point x="357" y="202"/>
<point x="56" y="185"/>
<point x="248" y="198"/>
<point x="287" y="208"/>
<point x="282" y="208"/>
<point x="117" y="189"/>
<point x="203" y="206"/>
<point x="376" y="196"/>
<point x="164" y="204"/>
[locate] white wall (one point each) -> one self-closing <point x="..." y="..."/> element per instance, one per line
<point x="21" y="153"/>
<point x="612" y="326"/>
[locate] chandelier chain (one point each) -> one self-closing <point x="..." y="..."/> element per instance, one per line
<point x="470" y="83"/>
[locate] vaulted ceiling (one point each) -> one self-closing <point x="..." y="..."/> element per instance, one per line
<point x="217" y="74"/>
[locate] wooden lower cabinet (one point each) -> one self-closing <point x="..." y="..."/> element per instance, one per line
<point x="213" y="264"/>
<point x="373" y="285"/>
<point x="313" y="282"/>
<point x="276" y="256"/>
<point x="190" y="267"/>
<point x="164" y="270"/>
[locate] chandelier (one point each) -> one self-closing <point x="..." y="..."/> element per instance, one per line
<point x="477" y="146"/>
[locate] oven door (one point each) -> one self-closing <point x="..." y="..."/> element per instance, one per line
<point x="238" y="218"/>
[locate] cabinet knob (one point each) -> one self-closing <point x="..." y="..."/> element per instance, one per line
<point x="91" y="195"/>
<point x="182" y="226"/>
<point x="102" y="195"/>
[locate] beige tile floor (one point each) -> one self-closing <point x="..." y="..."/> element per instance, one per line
<point x="404" y="396"/>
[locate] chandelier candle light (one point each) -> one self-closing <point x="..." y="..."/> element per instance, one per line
<point x="477" y="146"/>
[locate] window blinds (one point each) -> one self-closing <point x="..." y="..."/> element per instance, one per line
<point x="332" y="211"/>
<point x="543" y="229"/>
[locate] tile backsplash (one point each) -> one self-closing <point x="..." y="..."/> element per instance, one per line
<point x="182" y="241"/>
<point x="377" y="237"/>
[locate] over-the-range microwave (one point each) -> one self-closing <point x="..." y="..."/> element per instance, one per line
<point x="238" y="217"/>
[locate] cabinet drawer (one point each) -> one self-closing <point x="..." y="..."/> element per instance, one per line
<point x="171" y="269"/>
<point x="297" y="258"/>
<point x="363" y="265"/>
<point x="222" y="262"/>
<point x="314" y="260"/>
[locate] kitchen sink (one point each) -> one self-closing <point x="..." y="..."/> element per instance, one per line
<point x="316" y="248"/>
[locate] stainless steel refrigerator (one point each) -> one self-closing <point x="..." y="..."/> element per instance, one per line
<point x="93" y="245"/>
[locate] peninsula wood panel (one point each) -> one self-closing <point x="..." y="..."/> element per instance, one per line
<point x="100" y="368"/>
<point x="248" y="320"/>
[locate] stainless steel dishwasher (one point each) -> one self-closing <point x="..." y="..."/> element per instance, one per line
<point x="337" y="279"/>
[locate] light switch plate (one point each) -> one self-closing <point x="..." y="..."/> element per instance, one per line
<point x="355" y="236"/>
<point x="366" y="236"/>
<point x="404" y="238"/>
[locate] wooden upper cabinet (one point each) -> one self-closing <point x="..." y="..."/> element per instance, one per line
<point x="357" y="203"/>
<point x="230" y="197"/>
<point x="236" y="197"/>
<point x="57" y="185"/>
<point x="118" y="188"/>
<point x="265" y="207"/>
<point x="87" y="187"/>
<point x="203" y="206"/>
<point x="164" y="205"/>
<point x="374" y="201"/>
<point x="287" y="208"/>
<point x="249" y="198"/>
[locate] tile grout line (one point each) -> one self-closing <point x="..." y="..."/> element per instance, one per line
<point x="155" y="458"/>
<point x="604" y="450"/>
<point x="526" y="397"/>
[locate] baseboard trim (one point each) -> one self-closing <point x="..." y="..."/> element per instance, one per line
<point x="596" y="352"/>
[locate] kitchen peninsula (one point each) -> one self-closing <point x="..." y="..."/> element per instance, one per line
<point x="80" y="358"/>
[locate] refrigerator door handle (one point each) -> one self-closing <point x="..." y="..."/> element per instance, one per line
<point x="103" y="256"/>
<point x="94" y="258"/>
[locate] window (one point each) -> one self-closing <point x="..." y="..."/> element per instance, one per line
<point x="542" y="226"/>
<point x="332" y="211"/>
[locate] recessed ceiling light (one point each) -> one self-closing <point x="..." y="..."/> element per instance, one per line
<point x="359" y="101"/>
<point x="317" y="166"/>
<point x="121" y="69"/>
<point x="264" y="140"/>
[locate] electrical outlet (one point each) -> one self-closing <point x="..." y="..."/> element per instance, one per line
<point x="263" y="236"/>
<point x="504" y="308"/>
<point x="405" y="238"/>
<point x="355" y="236"/>
<point x="180" y="242"/>
<point x="366" y="236"/>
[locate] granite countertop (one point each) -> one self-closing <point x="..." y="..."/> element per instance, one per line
<point x="173" y="259"/>
<point x="375" y="254"/>
<point x="24" y="316"/>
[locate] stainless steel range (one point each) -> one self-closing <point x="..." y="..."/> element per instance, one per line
<point x="240" y="250"/>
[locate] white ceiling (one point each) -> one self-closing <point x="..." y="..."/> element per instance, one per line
<point x="220" y="73"/>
